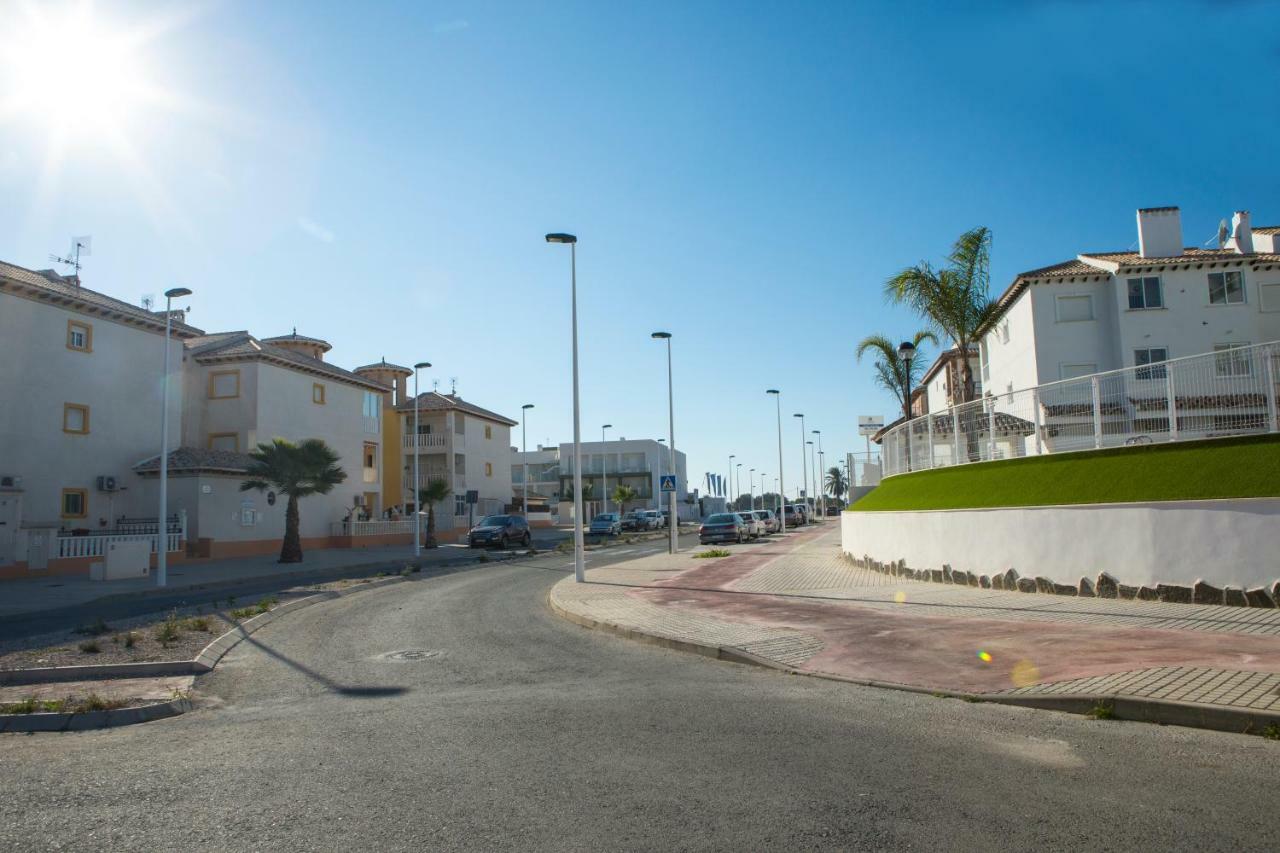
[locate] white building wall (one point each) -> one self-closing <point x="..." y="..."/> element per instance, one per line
<point x="1008" y="351"/>
<point x="488" y="459"/>
<point x="118" y="381"/>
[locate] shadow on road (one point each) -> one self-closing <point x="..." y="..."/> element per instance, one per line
<point x="329" y="683"/>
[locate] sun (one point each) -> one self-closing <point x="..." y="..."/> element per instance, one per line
<point x="65" y="70"/>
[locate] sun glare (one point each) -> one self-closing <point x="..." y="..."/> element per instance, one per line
<point x="72" y="74"/>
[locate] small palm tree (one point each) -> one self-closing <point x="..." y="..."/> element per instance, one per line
<point x="435" y="492"/>
<point x="836" y="483"/>
<point x="954" y="298"/>
<point x="892" y="373"/>
<point x="622" y="494"/>
<point x="297" y="470"/>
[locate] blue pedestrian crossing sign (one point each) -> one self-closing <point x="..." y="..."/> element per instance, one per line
<point x="668" y="483"/>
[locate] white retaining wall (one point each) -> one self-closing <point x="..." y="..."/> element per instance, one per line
<point x="1225" y="542"/>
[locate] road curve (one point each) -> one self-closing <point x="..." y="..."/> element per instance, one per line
<point x="516" y="730"/>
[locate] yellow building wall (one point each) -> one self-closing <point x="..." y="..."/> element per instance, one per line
<point x="392" y="457"/>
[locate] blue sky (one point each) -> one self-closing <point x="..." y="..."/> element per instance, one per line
<point x="745" y="175"/>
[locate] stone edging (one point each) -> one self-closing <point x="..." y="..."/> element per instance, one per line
<point x="1106" y="586"/>
<point x="202" y="663"/>
<point x="1121" y="706"/>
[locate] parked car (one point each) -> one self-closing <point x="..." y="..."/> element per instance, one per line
<point x="499" y="530"/>
<point x="768" y="519"/>
<point x="656" y="519"/>
<point x="635" y="520"/>
<point x="806" y="514"/>
<point x="666" y="518"/>
<point x="792" y="516"/>
<point x="755" y="527"/>
<point x="833" y="508"/>
<point x="722" y="527"/>
<point x="607" y="523"/>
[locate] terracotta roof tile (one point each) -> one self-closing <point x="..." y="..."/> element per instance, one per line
<point x="435" y="401"/>
<point x="1190" y="255"/>
<point x="190" y="459"/>
<point x="231" y="346"/>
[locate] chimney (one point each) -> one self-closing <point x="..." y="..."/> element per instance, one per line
<point x="1241" y="234"/>
<point x="1159" y="232"/>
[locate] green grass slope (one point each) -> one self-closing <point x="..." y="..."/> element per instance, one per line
<point x="1247" y="467"/>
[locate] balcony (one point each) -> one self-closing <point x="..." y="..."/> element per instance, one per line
<point x="435" y="441"/>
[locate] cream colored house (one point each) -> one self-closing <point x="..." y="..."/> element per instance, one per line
<point x="79" y="406"/>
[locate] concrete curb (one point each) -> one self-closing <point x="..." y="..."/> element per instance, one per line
<point x="1121" y="706"/>
<point x="202" y="663"/>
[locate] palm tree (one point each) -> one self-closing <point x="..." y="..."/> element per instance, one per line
<point x="297" y="470"/>
<point x="622" y="494"/>
<point x="836" y="483"/>
<point x="435" y="492"/>
<point x="892" y="373"/>
<point x="954" y="299"/>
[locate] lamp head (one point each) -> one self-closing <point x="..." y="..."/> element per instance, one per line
<point x="773" y="391"/>
<point x="527" y="406"/>
<point x="421" y="365"/>
<point x="175" y="292"/>
<point x="906" y="351"/>
<point x="607" y="426"/>
<point x="661" y="335"/>
<point x="561" y="238"/>
<point x="798" y="415"/>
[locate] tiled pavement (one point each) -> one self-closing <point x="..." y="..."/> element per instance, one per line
<point x="800" y="604"/>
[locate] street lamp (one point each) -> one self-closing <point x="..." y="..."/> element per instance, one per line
<point x="729" y="486"/>
<point x="737" y="471"/>
<point x="579" y="546"/>
<point x="524" y="453"/>
<point x="906" y="352"/>
<point x="162" y="525"/>
<point x="671" y="417"/>
<point x="819" y="476"/>
<point x="804" y="466"/>
<point x="764" y="488"/>
<point x="604" y="472"/>
<point x="782" y="483"/>
<point x="751" y="479"/>
<point x="810" y="445"/>
<point x="417" y="480"/>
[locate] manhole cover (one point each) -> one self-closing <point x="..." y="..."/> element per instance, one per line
<point x="410" y="654"/>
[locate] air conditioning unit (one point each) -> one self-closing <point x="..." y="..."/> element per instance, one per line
<point x="107" y="484"/>
<point x="10" y="481"/>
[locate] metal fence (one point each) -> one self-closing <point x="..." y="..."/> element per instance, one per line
<point x="1231" y="391"/>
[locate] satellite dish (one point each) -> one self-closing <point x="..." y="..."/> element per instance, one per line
<point x="1224" y="231"/>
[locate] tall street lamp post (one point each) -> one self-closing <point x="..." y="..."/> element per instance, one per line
<point x="417" y="481"/>
<point x="820" y="477"/>
<point x="811" y="462"/>
<point x="803" y="465"/>
<point x="604" y="472"/>
<point x="728" y="489"/>
<point x="751" y="479"/>
<point x="782" y="483"/>
<point x="671" y="416"/>
<point x="524" y="454"/>
<point x="162" y="523"/>
<point x="906" y="352"/>
<point x="737" y="475"/>
<point x="579" y="549"/>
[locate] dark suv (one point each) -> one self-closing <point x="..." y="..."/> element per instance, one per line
<point x="499" y="530"/>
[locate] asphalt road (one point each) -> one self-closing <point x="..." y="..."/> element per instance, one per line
<point x="521" y="731"/>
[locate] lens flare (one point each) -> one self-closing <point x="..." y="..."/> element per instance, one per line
<point x="1024" y="674"/>
<point x="899" y="597"/>
<point x="985" y="657"/>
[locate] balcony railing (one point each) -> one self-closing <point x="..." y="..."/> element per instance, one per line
<point x="1227" y="392"/>
<point x="374" y="528"/>
<point x="424" y="440"/>
<point x="94" y="544"/>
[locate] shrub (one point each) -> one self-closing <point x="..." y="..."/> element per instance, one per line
<point x="90" y="647"/>
<point x="1271" y="732"/>
<point x="406" y="571"/>
<point x="97" y="629"/>
<point x="197" y="623"/>
<point x="243" y="613"/>
<point x="1102" y="711"/>
<point x="267" y="603"/>
<point x="712" y="552"/>
<point x="168" y="631"/>
<point x="130" y="640"/>
<point x="92" y="702"/>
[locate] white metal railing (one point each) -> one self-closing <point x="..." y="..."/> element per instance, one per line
<point x="374" y="528"/>
<point x="1222" y="393"/>
<point x="93" y="544"/>
<point x="866" y="469"/>
<point x="426" y="439"/>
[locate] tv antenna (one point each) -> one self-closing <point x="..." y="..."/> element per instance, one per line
<point x="80" y="247"/>
<point x="435" y="385"/>
<point x="148" y="300"/>
<point x="453" y="385"/>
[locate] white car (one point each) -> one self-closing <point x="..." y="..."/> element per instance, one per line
<point x="755" y="527"/>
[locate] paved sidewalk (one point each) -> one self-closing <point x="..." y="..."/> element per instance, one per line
<point x="798" y="603"/>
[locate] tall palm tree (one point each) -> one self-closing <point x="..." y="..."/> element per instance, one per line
<point x="955" y="298"/>
<point x="297" y="470"/>
<point x="892" y="373"/>
<point x="436" y="491"/>
<point x="836" y="483"/>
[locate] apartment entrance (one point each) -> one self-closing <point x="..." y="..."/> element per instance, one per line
<point x="10" y="517"/>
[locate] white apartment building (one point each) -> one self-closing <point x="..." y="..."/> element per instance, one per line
<point x="79" y="407"/>
<point x="1104" y="311"/>
<point x="638" y="463"/>
<point x="943" y="382"/>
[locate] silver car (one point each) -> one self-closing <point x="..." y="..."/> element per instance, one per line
<point x="768" y="519"/>
<point x="755" y="527"/>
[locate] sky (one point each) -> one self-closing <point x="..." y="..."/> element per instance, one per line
<point x="745" y="175"/>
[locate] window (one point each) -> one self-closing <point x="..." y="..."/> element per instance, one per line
<point x="1226" y="288"/>
<point x="1151" y="355"/>
<point x="224" y="384"/>
<point x="370" y="463"/>
<point x="75" y="418"/>
<point x="372" y="404"/>
<point x="1269" y="297"/>
<point x="1145" y="292"/>
<point x="317" y="393"/>
<point x="1074" y="309"/>
<point x="488" y="469"/>
<point x="459" y="464"/>
<point x="1075" y="371"/>
<point x="488" y="431"/>
<point x="75" y="503"/>
<point x="458" y="424"/>
<point x="79" y="336"/>
<point x="459" y="505"/>
<point x="224" y="441"/>
<point x="1232" y="360"/>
